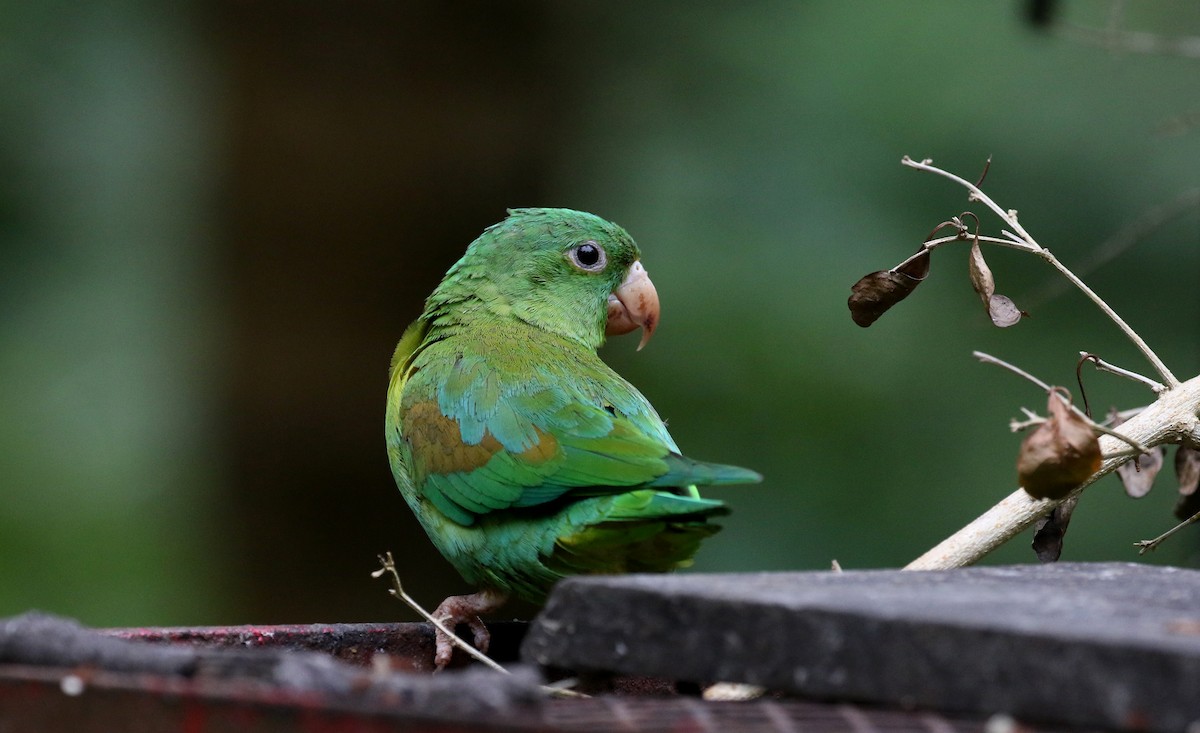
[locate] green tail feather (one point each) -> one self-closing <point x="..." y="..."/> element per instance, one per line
<point x="642" y="506"/>
<point x="641" y="531"/>
<point x="686" y="472"/>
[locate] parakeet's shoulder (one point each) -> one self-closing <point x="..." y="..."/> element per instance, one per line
<point x="516" y="351"/>
<point x="509" y="377"/>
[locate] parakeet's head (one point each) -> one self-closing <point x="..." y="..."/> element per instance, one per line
<point x="564" y="271"/>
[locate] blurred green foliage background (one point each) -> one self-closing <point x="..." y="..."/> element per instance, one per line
<point x="216" y="218"/>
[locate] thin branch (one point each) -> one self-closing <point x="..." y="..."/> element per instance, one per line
<point x="388" y="567"/>
<point x="1135" y="448"/>
<point x="1031" y="245"/>
<point x="1124" y="415"/>
<point x="1173" y="417"/>
<point x="1032" y="419"/>
<point x="935" y="243"/>
<point x="1104" y="366"/>
<point x="1138" y="448"/>
<point x="1145" y="546"/>
<point x="1005" y="242"/>
<point x="977" y="194"/>
<point x="989" y="359"/>
<point x="1170" y="380"/>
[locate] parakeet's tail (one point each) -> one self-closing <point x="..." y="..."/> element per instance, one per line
<point x="643" y="505"/>
<point x="683" y="471"/>
<point x="640" y="531"/>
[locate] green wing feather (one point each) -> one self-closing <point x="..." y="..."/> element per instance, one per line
<point x="553" y="429"/>
<point x="541" y="461"/>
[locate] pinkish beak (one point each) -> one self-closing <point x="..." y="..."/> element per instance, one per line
<point x="633" y="305"/>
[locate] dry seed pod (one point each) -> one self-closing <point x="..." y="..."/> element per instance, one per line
<point x="1051" y="530"/>
<point x="1060" y="454"/>
<point x="875" y="293"/>
<point x="1137" y="475"/>
<point x="1000" y="308"/>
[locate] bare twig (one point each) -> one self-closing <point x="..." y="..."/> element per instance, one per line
<point x="1026" y="242"/>
<point x="1104" y="366"/>
<point x="1124" y="415"/>
<point x="935" y="243"/>
<point x="1010" y="216"/>
<point x="1031" y="419"/>
<point x="989" y="359"/>
<point x="1135" y="448"/>
<point x="388" y="567"/>
<point x="1017" y="426"/>
<point x="1145" y="546"/>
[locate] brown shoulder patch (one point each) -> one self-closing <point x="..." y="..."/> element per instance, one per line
<point x="540" y="452"/>
<point x="437" y="443"/>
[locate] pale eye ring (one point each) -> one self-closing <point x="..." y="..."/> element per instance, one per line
<point x="589" y="256"/>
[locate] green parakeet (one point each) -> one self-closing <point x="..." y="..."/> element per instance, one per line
<point x="524" y="456"/>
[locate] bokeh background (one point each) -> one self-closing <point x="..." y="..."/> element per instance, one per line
<point x="216" y="218"/>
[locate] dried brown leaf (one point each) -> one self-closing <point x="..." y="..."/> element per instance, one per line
<point x="1048" y="537"/>
<point x="1187" y="470"/>
<point x="1001" y="309"/>
<point x="1137" y="474"/>
<point x="1059" y="455"/>
<point x="875" y="293"/>
<point x="981" y="275"/>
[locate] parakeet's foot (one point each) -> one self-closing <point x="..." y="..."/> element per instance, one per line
<point x="466" y="610"/>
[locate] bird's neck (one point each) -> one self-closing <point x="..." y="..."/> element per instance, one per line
<point x="478" y="302"/>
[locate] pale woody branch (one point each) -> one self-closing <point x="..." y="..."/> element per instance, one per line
<point x="1024" y="237"/>
<point x="1169" y="420"/>
<point x="1173" y="418"/>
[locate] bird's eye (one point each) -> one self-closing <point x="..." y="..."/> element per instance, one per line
<point x="589" y="257"/>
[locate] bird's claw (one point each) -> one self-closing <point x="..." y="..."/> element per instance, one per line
<point x="464" y="610"/>
<point x="480" y="635"/>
